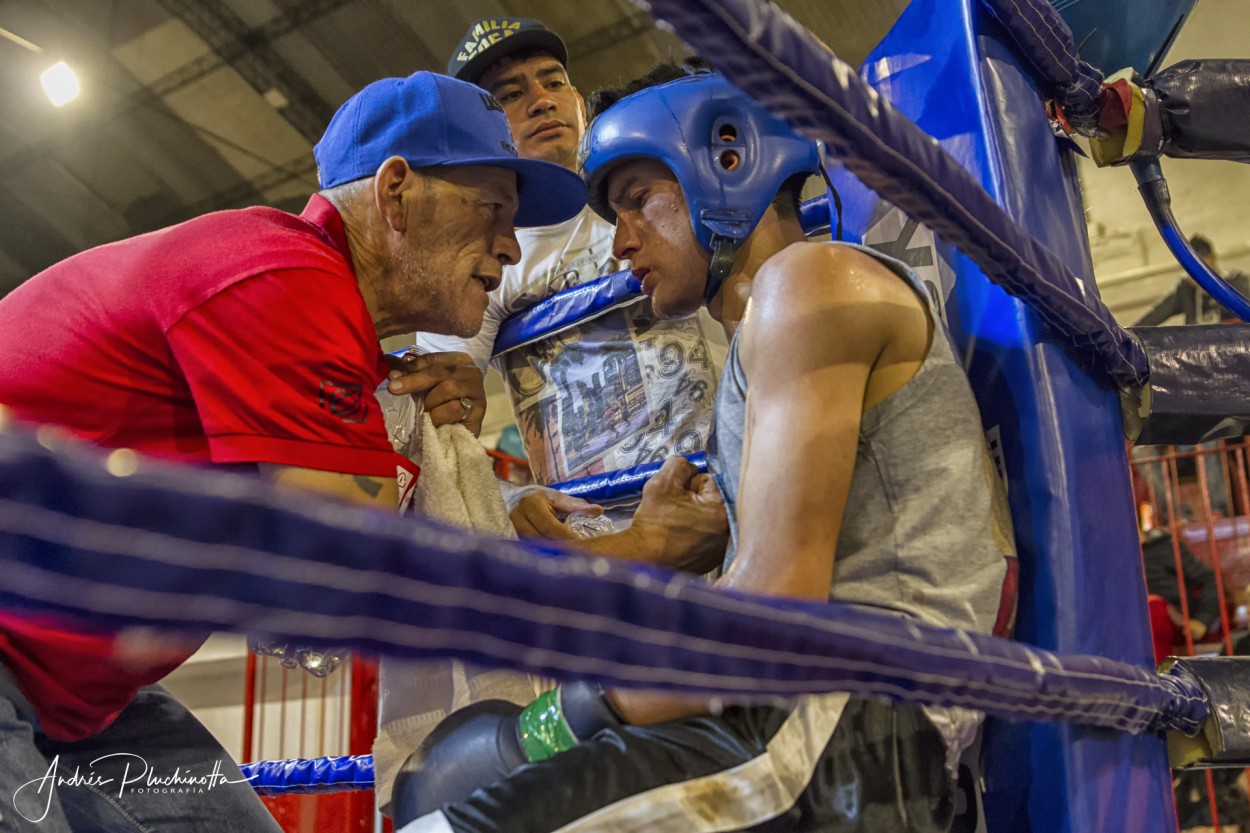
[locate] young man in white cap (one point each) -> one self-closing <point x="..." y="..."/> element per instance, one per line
<point x="622" y="390"/>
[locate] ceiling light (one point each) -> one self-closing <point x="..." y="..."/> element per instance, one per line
<point x="60" y="83"/>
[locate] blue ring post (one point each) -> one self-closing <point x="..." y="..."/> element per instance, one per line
<point x="948" y="67"/>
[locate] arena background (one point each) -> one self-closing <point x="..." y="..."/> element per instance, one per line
<point x="190" y="106"/>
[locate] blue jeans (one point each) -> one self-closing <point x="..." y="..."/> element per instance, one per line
<point x="165" y="772"/>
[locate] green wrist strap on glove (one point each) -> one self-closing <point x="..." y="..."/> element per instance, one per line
<point x="560" y="719"/>
<point x="542" y="728"/>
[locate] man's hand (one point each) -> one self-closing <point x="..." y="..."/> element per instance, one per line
<point x="680" y="524"/>
<point x="682" y="518"/>
<point x="442" y="380"/>
<point x="536" y="514"/>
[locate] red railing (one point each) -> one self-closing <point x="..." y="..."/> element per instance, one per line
<point x="1200" y="496"/>
<point x="288" y="713"/>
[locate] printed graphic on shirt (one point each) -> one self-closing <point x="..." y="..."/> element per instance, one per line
<point x="539" y="426"/>
<point x="344" y="400"/>
<point x="622" y="390"/>
<point x="617" y="392"/>
<point x="893" y="233"/>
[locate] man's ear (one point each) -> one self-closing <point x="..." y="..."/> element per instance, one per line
<point x="390" y="184"/>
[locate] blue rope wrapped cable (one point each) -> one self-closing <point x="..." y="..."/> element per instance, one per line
<point x="1045" y="40"/>
<point x="316" y="775"/>
<point x="152" y="546"/>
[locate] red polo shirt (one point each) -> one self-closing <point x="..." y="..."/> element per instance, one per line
<point x="237" y="337"/>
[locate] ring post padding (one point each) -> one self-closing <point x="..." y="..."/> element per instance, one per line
<point x="1059" y="434"/>
<point x="1053" y="428"/>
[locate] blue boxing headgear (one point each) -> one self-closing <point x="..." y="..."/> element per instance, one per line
<point x="729" y="153"/>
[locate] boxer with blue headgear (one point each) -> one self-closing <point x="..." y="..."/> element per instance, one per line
<point x="849" y="452"/>
<point x="730" y="155"/>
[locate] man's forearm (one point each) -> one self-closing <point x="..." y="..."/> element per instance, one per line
<point x="381" y="492"/>
<point x="638" y="545"/>
<point x="627" y="545"/>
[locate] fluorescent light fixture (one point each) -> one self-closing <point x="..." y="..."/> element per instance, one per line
<point x="60" y="83"/>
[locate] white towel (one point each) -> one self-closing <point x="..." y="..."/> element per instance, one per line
<point x="457" y="485"/>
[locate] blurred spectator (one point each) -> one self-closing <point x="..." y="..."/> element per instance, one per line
<point x="1189" y="299"/>
<point x="1161" y="580"/>
<point x="1190" y="786"/>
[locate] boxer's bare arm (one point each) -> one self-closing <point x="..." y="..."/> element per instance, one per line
<point x="829" y="333"/>
<point x="357" y="488"/>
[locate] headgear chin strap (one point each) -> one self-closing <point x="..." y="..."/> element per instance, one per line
<point x="724" y="252"/>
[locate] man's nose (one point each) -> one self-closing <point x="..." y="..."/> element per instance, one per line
<point x="507" y="247"/>
<point x="540" y="99"/>
<point x="624" y="242"/>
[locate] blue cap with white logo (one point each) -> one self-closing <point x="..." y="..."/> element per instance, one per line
<point x="431" y="120"/>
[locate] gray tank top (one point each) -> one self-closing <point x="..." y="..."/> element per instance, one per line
<point x="926" y="532"/>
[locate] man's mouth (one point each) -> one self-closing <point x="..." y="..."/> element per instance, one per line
<point x="547" y="128"/>
<point x="646" y="277"/>
<point x="488" y="282"/>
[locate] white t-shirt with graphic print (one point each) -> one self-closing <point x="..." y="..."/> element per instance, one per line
<point x="612" y="393"/>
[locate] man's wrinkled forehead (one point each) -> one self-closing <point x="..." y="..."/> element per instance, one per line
<point x="472" y="181"/>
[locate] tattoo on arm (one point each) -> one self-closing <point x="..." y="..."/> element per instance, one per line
<point x="368" y="485"/>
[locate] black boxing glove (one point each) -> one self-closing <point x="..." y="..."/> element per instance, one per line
<point x="471" y="748"/>
<point x="485" y="742"/>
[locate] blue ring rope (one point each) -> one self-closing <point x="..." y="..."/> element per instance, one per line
<point x="154" y="546"/>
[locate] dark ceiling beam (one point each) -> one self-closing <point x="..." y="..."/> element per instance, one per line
<point x="255" y="59"/>
<point x="245" y="192"/>
<point x="635" y="24"/>
<point x="632" y="26"/>
<point x="29" y="240"/>
<point x="155" y="92"/>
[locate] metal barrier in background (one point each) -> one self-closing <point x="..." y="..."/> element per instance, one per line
<point x="1194" y="507"/>
<point x="288" y="713"/>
